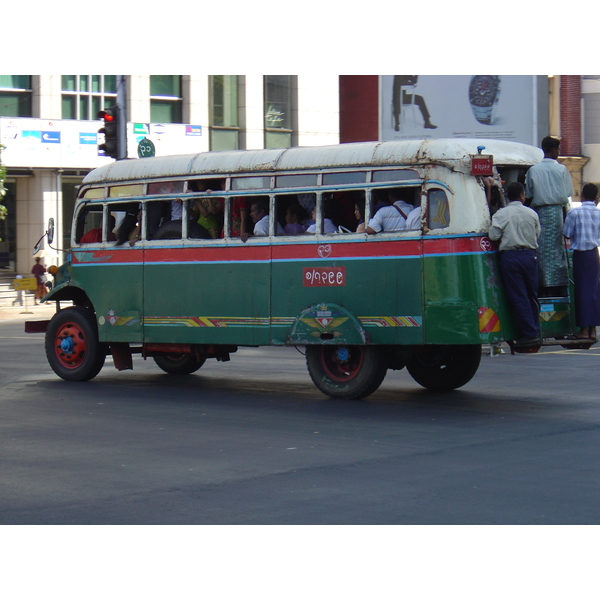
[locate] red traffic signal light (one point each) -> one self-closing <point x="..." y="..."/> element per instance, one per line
<point x="110" y="147"/>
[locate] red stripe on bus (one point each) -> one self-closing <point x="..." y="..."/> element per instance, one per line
<point x="252" y="252"/>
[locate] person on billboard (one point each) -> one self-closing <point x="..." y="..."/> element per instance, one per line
<point x="400" y="97"/>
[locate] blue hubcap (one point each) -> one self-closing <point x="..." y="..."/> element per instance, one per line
<point x="67" y="345"/>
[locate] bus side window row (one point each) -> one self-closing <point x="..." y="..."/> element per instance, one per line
<point x="295" y="215"/>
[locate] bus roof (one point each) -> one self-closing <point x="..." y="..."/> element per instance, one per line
<point x="455" y="153"/>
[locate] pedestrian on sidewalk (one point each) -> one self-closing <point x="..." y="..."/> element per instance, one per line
<point x="38" y="270"/>
<point x="19" y="299"/>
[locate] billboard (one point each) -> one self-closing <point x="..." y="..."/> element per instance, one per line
<point x="508" y="107"/>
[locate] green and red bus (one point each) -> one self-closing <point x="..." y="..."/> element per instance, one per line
<point x="144" y="278"/>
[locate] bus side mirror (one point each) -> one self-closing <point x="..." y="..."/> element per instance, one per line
<point x="49" y="233"/>
<point x="50" y="230"/>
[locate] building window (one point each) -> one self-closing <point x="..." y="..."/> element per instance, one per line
<point x="279" y="93"/>
<point x="224" y="112"/>
<point x="15" y="95"/>
<point x="166" y="103"/>
<point x="84" y="95"/>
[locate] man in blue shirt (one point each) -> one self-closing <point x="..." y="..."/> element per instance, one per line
<point x="582" y="227"/>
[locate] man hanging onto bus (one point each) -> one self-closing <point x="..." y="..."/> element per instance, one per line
<point x="582" y="227"/>
<point x="518" y="229"/>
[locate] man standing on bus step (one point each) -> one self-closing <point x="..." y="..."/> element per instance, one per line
<point x="548" y="184"/>
<point x="582" y="227"/>
<point x="518" y="228"/>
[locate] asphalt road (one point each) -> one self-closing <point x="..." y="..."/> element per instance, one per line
<point x="253" y="442"/>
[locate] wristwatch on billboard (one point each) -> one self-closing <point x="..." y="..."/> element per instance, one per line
<point x="484" y="93"/>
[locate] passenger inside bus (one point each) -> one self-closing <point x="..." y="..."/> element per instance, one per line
<point x="328" y="224"/>
<point x="398" y="215"/>
<point x="259" y="213"/>
<point x="359" y="214"/>
<point x="294" y="219"/>
<point x="208" y="210"/>
<point x="95" y="235"/>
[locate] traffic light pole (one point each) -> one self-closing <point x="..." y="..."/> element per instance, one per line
<point x="122" y="120"/>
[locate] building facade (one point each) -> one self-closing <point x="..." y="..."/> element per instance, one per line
<point x="49" y="126"/>
<point x="49" y="134"/>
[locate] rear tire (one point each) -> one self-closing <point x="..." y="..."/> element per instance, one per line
<point x="179" y="364"/>
<point x="349" y="372"/>
<point x="444" y="368"/>
<point x="72" y="346"/>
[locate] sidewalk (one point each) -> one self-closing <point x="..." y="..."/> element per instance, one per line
<point x="32" y="312"/>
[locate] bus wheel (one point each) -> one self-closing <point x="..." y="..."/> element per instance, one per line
<point x="179" y="363"/>
<point x="349" y="372"/>
<point x="444" y="368"/>
<point x="72" y="346"/>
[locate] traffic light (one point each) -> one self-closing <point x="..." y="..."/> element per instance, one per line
<point x="110" y="131"/>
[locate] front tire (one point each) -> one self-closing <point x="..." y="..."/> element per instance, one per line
<point x="349" y="372"/>
<point x="72" y="346"/>
<point x="444" y="368"/>
<point x="179" y="363"/>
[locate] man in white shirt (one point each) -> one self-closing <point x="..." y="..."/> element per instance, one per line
<point x="548" y="185"/>
<point x="518" y="228"/>
<point x="393" y="217"/>
<point x="259" y="213"/>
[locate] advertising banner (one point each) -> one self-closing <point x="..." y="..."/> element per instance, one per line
<point x="461" y="106"/>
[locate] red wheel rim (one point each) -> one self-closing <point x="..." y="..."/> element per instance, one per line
<point x="341" y="363"/>
<point x="70" y="345"/>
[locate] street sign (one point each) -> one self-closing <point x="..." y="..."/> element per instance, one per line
<point x="146" y="148"/>
<point x="27" y="283"/>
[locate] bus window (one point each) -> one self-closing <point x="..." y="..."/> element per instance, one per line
<point x="395" y="175"/>
<point x="157" y="213"/>
<point x="162" y="188"/>
<point x="330" y="216"/>
<point x="207" y="209"/>
<point x="347" y="205"/>
<point x="438" y="212"/>
<point x="89" y="228"/>
<point x="260" y="217"/>
<point x="128" y="224"/>
<point x="296" y="181"/>
<point x="118" y="191"/>
<point x="407" y="198"/>
<point x="94" y="194"/>
<point x="250" y="183"/>
<point x="344" y="178"/>
<point x="291" y="214"/>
